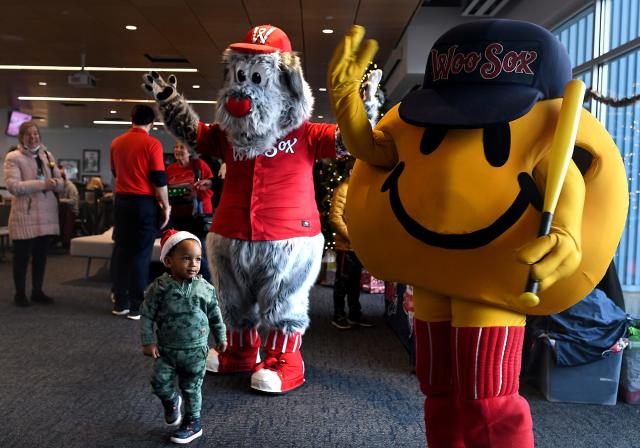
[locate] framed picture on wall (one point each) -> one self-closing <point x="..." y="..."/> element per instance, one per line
<point x="90" y="161"/>
<point x="71" y="168"/>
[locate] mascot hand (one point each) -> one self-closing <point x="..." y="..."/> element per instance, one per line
<point x="552" y="257"/>
<point x="158" y="88"/>
<point x="349" y="63"/>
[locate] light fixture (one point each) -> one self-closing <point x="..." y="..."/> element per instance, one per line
<point x="42" y="83"/>
<point x="77" y="68"/>
<point x="66" y="126"/>
<point x="196" y="86"/>
<point x="113" y="111"/>
<point x="43" y="119"/>
<point x="155" y="128"/>
<point x="155" y="123"/>
<point x="131" y="27"/>
<point x="101" y="100"/>
<point x="327" y="31"/>
<point x="320" y="116"/>
<point x="322" y="89"/>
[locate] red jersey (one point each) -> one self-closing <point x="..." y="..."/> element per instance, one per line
<point x="134" y="155"/>
<point x="272" y="196"/>
<point x="176" y="174"/>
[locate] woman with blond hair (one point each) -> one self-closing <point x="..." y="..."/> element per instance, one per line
<point x="32" y="176"/>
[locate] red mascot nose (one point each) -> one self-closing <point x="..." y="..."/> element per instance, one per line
<point x="238" y="107"/>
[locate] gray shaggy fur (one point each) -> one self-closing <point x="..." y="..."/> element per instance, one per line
<point x="280" y="103"/>
<point x="180" y="119"/>
<point x="265" y="281"/>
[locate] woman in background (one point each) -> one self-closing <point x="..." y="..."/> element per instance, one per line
<point x="189" y="182"/>
<point x="32" y="176"/>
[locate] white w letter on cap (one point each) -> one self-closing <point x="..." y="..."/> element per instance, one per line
<point x="261" y="34"/>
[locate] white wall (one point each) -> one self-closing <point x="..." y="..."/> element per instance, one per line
<point x="69" y="143"/>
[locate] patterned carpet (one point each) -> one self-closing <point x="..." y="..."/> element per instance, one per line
<point x="72" y="375"/>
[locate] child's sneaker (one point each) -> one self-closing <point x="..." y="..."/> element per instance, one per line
<point x="172" y="414"/>
<point x="190" y="429"/>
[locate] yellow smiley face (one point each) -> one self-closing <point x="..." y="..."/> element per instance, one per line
<point x="451" y="214"/>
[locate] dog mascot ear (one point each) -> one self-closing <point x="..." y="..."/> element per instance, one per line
<point x="297" y="97"/>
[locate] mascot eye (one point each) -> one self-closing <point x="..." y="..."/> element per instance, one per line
<point x="432" y="138"/>
<point x="496" y="140"/>
<point x="258" y="74"/>
<point x="241" y="76"/>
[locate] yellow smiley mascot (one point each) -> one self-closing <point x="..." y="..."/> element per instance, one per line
<point x="448" y="196"/>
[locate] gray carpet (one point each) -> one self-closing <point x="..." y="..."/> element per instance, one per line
<point x="72" y="375"/>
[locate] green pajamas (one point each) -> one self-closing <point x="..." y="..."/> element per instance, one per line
<point x="178" y="318"/>
<point x="189" y="366"/>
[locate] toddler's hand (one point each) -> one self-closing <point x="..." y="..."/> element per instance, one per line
<point x="151" y="350"/>
<point x="221" y="347"/>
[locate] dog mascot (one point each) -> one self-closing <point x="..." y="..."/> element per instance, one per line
<point x="446" y="196"/>
<point x="265" y="244"/>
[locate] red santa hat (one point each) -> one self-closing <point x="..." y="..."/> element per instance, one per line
<point x="171" y="238"/>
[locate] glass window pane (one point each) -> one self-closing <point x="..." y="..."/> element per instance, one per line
<point x="623" y="123"/>
<point x="624" y="22"/>
<point x="577" y="37"/>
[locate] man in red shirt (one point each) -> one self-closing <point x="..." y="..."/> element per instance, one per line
<point x="138" y="167"/>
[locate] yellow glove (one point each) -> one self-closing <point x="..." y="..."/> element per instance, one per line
<point x="346" y="69"/>
<point x="558" y="254"/>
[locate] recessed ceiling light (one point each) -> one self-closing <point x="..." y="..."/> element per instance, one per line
<point x="131" y="27"/>
<point x="101" y="100"/>
<point x="42" y="83"/>
<point x="322" y="89"/>
<point x="196" y="86"/>
<point x="76" y="68"/>
<point x="320" y="116"/>
<point x="327" y="31"/>
<point x="113" y="111"/>
<point x="156" y="123"/>
<point x="66" y="126"/>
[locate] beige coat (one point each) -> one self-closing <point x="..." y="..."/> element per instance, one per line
<point x="34" y="210"/>
<point x="336" y="216"/>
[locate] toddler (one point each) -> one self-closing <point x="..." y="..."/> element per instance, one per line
<point x="182" y="307"/>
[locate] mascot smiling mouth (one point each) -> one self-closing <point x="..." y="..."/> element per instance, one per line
<point x="528" y="194"/>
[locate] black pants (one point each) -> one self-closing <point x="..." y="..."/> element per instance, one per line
<point x="134" y="230"/>
<point x="36" y="248"/>
<point x="196" y="226"/>
<point x="347" y="282"/>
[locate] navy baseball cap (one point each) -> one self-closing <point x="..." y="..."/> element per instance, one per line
<point x="487" y="72"/>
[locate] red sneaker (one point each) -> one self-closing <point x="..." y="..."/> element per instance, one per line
<point x="283" y="367"/>
<point x="242" y="354"/>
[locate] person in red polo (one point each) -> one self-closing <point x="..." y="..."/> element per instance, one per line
<point x="141" y="209"/>
<point x="191" y="211"/>
<point x="265" y="244"/>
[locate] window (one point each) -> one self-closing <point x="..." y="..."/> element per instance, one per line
<point x="603" y="42"/>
